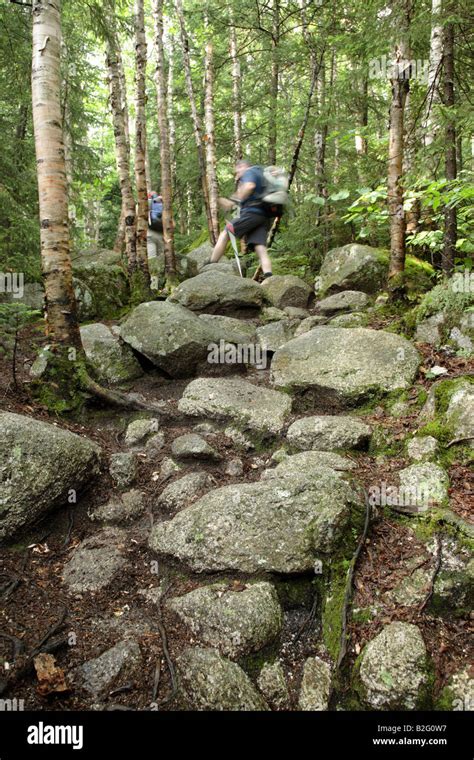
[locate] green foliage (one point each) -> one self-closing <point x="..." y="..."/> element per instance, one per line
<point x="14" y="317"/>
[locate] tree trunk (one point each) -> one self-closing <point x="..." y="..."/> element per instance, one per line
<point x="61" y="312"/>
<point x="434" y="71"/>
<point x="170" y="97"/>
<point x="140" y="144"/>
<point x="274" y="82"/>
<point x="363" y="117"/>
<point x="166" y="182"/>
<point x="197" y="125"/>
<point x="210" y="133"/>
<point x="400" y="88"/>
<point x="236" y="89"/>
<point x="450" y="217"/>
<point x="121" y="144"/>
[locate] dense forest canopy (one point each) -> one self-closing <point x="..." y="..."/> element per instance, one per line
<point x="263" y="56"/>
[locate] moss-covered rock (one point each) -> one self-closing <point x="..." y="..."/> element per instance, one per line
<point x="108" y="284"/>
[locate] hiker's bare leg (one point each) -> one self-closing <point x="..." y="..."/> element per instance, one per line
<point x="220" y="246"/>
<point x="265" y="261"/>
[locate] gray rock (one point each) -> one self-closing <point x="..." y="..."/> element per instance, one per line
<point x="294" y="312"/>
<point x="271" y="314"/>
<point x="393" y="668"/>
<point x="328" y="433"/>
<point x="234" y="468"/>
<point x="138" y="431"/>
<point x="236" y="622"/>
<point x="169" y="468"/>
<point x="287" y="290"/>
<point x="229" y="329"/>
<point x="192" y="446"/>
<point x="120" y="511"/>
<point x="217" y="292"/>
<point x="460" y="412"/>
<point x="240" y="441"/>
<point x="123" y="469"/>
<point x="111" y="360"/>
<point x="107" y="282"/>
<point x="198" y="258"/>
<point x="307" y="324"/>
<point x="224" y="265"/>
<point x="345" y="364"/>
<point x="453" y="592"/>
<point x="272" y="683"/>
<point x="315" y="686"/>
<point x="460" y="690"/>
<point x="40" y="464"/>
<point x="305" y="461"/>
<point x="275" y="334"/>
<point x="211" y="682"/>
<point x="355" y="319"/>
<point x="422" y="447"/>
<point x="249" y="406"/>
<point x="431" y="330"/>
<point x="462" y="341"/>
<point x="170" y="336"/>
<point x="95" y="562"/>
<point x="353" y="267"/>
<point x="183" y="492"/>
<point x="206" y="428"/>
<point x="347" y="300"/>
<point x="86" y="308"/>
<point x="422" y="486"/>
<point x="123" y="660"/>
<point x="278" y="525"/>
<point x="31" y="295"/>
<point x="155" y="444"/>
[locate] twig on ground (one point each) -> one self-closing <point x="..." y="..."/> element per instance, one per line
<point x="439" y="557"/>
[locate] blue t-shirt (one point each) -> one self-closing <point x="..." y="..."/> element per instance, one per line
<point x="253" y="202"/>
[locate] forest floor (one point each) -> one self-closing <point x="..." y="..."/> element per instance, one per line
<point x="35" y="601"/>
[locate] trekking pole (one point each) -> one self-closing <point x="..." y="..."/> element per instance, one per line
<point x="233" y="242"/>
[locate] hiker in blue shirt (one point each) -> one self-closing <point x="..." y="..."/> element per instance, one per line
<point x="155" y="225"/>
<point x="253" y="222"/>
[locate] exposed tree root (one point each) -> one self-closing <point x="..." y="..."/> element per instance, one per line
<point x="126" y="401"/>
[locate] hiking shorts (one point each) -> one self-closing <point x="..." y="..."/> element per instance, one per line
<point x="251" y="226"/>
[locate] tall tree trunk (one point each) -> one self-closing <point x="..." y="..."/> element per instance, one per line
<point x="61" y="312"/>
<point x="236" y="89"/>
<point x="210" y="132"/>
<point x="120" y="241"/>
<point x="140" y="145"/>
<point x="166" y="182"/>
<point x="170" y="98"/>
<point x="197" y="125"/>
<point x="363" y="117"/>
<point x="121" y="145"/>
<point x="434" y="71"/>
<point x="450" y="217"/>
<point x="400" y="88"/>
<point x="274" y="83"/>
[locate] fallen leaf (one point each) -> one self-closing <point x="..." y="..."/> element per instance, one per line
<point x="51" y="679"/>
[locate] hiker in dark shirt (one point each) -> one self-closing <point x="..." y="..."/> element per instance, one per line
<point x="253" y="222"/>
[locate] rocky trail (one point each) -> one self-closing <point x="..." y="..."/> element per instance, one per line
<point x="297" y="535"/>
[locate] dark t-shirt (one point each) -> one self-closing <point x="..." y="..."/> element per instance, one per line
<point x="253" y="202"/>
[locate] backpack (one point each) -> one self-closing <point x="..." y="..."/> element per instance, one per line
<point x="156" y="215"/>
<point x="275" y="189"/>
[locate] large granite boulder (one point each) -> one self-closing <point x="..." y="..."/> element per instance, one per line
<point x="347" y="300"/>
<point x="353" y="267"/>
<point x="277" y="525"/>
<point x="112" y="360"/>
<point x="229" y="329"/>
<point x="209" y="681"/>
<point x="393" y="668"/>
<point x="274" y="335"/>
<point x="100" y="273"/>
<point x="328" y="433"/>
<point x="234" y="621"/>
<point x="170" y="336"/>
<point x="287" y="290"/>
<point x="345" y="364"/>
<point x="39" y="465"/>
<point x="218" y="293"/>
<point x="249" y="406"/>
<point x="198" y="258"/>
